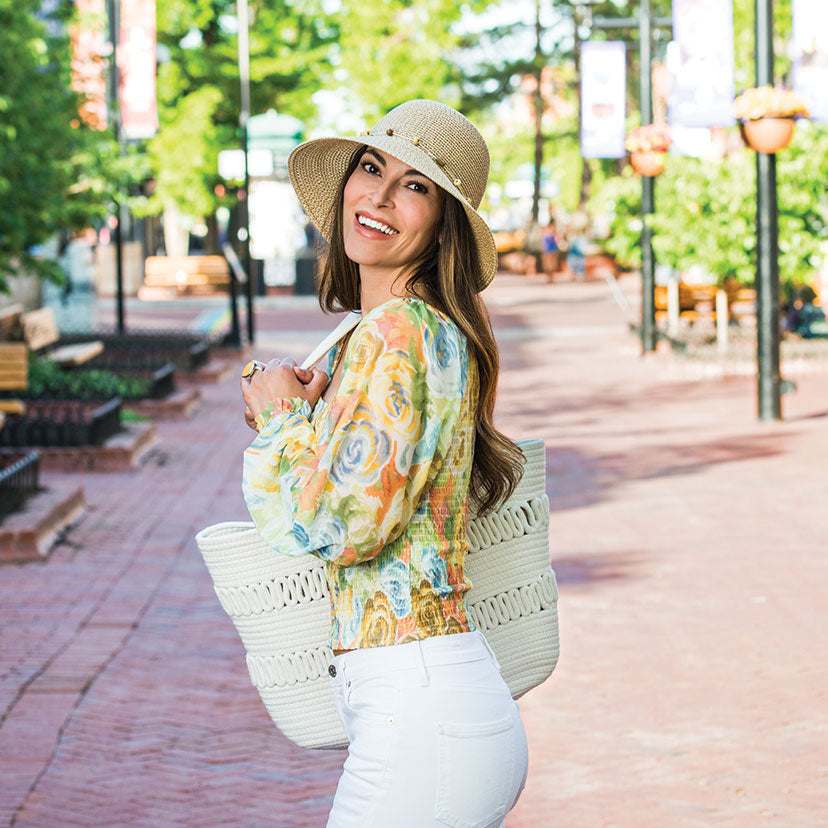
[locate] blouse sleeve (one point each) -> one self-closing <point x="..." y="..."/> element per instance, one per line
<point x="343" y="498"/>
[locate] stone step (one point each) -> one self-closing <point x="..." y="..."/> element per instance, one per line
<point x="178" y="405"/>
<point x="121" y="452"/>
<point x="29" y="533"/>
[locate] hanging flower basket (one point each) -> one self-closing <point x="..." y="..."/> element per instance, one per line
<point x="768" y="135"/>
<point x="767" y="117"/>
<point x="648" y="147"/>
<point x="649" y="163"/>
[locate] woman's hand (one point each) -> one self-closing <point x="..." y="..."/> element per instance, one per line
<point x="280" y="378"/>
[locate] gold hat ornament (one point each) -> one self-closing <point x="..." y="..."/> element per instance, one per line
<point x="431" y="138"/>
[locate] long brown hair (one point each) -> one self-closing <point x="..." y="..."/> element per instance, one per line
<point x="446" y="270"/>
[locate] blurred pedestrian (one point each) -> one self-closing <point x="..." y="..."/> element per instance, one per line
<point x="804" y="317"/>
<point x="370" y="462"/>
<point x="550" y="249"/>
<point x="578" y="244"/>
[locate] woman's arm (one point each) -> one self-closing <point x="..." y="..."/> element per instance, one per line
<point x="391" y="424"/>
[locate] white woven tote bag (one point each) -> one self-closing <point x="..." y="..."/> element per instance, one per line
<point x="281" y="610"/>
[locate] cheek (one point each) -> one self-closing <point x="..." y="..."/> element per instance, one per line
<point x="425" y="221"/>
<point x="350" y="194"/>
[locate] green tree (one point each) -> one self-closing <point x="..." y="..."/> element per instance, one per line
<point x="55" y="172"/>
<point x="706" y="212"/>
<point x="745" y="41"/>
<point x="198" y="87"/>
<point x="496" y="61"/>
<point x="396" y="50"/>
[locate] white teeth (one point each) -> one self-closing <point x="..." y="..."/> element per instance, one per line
<point x="377" y="226"/>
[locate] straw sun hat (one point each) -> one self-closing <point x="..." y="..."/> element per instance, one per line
<point x="430" y="137"/>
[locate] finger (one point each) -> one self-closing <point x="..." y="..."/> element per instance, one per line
<point x="318" y="383"/>
<point x="304" y="375"/>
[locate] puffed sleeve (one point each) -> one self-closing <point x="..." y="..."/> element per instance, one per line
<point x="345" y="496"/>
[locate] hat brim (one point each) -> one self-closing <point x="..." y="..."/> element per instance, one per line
<point x="316" y="168"/>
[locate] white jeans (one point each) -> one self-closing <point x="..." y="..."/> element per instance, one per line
<point x="435" y="737"/>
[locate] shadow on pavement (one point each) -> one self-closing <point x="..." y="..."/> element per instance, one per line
<point x="591" y="568"/>
<point x="575" y="478"/>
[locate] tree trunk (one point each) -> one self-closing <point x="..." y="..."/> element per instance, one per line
<point x="176" y="238"/>
<point x="586" y="171"/>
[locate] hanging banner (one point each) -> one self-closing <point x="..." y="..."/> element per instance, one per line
<point x="700" y="59"/>
<point x="810" y="65"/>
<point x="603" y="99"/>
<point x="136" y="63"/>
<point x="88" y="40"/>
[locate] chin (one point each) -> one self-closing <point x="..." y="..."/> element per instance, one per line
<point x="359" y="255"/>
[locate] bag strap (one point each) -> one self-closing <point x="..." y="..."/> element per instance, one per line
<point x="333" y="337"/>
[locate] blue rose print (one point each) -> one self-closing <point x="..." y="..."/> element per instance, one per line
<point x="434" y="570"/>
<point x="394" y="582"/>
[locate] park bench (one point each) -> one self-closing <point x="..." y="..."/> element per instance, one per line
<point x="14" y="375"/>
<point x="10" y="325"/>
<point x="40" y="331"/>
<point x="694" y="301"/>
<point x="701" y="301"/>
<point x="187" y="274"/>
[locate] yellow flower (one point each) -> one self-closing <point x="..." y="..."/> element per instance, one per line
<point x="427" y="609"/>
<point x="649" y="138"/>
<point x="379" y="624"/>
<point x="769" y="102"/>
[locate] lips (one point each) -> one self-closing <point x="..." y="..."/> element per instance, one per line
<point x="373" y="227"/>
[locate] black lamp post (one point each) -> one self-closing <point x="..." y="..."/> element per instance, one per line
<point x="113" y="9"/>
<point x="645" y="22"/>
<point x="767" y="240"/>
<point x="244" y="117"/>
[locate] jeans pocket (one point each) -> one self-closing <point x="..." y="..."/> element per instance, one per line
<point x="476" y="772"/>
<point x="372" y="699"/>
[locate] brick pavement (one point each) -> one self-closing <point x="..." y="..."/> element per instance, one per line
<point x="687" y="539"/>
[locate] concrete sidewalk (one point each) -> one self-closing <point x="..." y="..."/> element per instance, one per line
<point x="688" y="540"/>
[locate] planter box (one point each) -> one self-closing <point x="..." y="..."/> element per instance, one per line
<point x="19" y="477"/>
<point x="159" y="377"/>
<point x="62" y="423"/>
<point x="186" y="351"/>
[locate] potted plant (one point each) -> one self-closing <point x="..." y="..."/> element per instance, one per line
<point x="767" y="117"/>
<point x="648" y="147"/>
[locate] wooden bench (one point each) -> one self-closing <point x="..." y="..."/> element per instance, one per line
<point x="187" y="274"/>
<point x="14" y="375"/>
<point x="10" y="325"/>
<point x="40" y="332"/>
<point x="694" y="301"/>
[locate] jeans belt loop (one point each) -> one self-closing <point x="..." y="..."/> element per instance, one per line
<point x="489" y="648"/>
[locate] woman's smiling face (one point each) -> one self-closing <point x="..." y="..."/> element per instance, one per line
<point x="390" y="212"/>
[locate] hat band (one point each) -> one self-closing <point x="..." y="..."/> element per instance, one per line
<point x="440" y="162"/>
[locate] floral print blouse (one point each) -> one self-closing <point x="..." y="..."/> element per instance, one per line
<point x="375" y="481"/>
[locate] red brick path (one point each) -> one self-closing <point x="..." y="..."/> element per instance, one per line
<point x="689" y="545"/>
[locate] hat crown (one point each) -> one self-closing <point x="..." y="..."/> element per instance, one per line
<point x="450" y="138"/>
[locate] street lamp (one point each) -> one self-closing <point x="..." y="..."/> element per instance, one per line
<point x="113" y="12"/>
<point x="644" y="22"/>
<point x="244" y="117"/>
<point x="767" y="240"/>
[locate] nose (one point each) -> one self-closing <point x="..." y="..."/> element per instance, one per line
<point x="382" y="193"/>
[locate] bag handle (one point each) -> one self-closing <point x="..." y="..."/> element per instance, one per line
<point x="334" y="336"/>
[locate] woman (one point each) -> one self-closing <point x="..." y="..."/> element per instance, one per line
<point x="370" y="463"/>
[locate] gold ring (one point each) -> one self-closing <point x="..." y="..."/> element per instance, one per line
<point x="251" y="368"/>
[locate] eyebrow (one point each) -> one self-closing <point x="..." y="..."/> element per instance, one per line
<point x="381" y="161"/>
